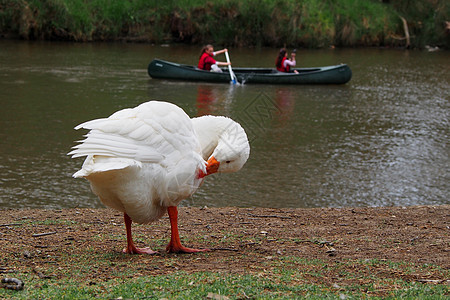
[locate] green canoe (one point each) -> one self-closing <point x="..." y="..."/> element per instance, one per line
<point x="338" y="74"/>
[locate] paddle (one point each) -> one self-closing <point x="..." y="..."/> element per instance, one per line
<point x="232" y="76"/>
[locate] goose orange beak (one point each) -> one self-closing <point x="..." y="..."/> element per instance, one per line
<point x="212" y="165"/>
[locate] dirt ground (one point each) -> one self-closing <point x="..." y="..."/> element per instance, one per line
<point x="241" y="240"/>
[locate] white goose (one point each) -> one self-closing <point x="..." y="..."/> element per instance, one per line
<point x="143" y="161"/>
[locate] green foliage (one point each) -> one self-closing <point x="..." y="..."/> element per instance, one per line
<point x="363" y="23"/>
<point x="306" y="23"/>
<point x="426" y="20"/>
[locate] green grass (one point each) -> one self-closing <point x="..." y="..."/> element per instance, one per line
<point x="307" y="23"/>
<point x="285" y="278"/>
<point x="199" y="285"/>
<point x="64" y="222"/>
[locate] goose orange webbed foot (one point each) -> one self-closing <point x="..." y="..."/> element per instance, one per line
<point x="174" y="245"/>
<point x="135" y="250"/>
<point x="181" y="249"/>
<point x="131" y="248"/>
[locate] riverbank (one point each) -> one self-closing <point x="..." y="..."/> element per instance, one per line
<point x="256" y="252"/>
<point x="310" y="24"/>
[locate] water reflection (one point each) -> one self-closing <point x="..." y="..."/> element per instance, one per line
<point x="206" y="100"/>
<point x="285" y="100"/>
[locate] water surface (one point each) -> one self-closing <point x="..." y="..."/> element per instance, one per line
<point x="380" y="140"/>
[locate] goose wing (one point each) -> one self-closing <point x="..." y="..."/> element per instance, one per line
<point x="153" y="132"/>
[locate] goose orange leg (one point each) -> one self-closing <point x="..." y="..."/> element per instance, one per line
<point x="175" y="242"/>
<point x="131" y="248"/>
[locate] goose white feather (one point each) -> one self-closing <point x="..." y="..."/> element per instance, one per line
<point x="145" y="160"/>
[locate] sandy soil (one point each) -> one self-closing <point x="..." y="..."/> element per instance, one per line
<point x="51" y="242"/>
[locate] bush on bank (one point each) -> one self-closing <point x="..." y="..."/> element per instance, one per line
<point x="306" y="23"/>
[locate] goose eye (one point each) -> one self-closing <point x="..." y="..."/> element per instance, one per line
<point x="228" y="161"/>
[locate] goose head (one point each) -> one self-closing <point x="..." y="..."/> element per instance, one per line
<point x="224" y="144"/>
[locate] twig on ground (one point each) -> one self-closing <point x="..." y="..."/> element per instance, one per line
<point x="269" y="216"/>
<point x="225" y="249"/>
<point x="43" y="234"/>
<point x="10" y="224"/>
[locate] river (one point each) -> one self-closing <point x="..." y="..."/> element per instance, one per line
<point x="379" y="140"/>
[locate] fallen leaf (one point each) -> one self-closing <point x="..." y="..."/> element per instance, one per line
<point x="217" y="296"/>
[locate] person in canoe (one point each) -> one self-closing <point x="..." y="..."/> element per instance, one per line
<point x="283" y="63"/>
<point x="207" y="62"/>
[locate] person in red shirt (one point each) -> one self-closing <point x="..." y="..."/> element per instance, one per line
<point x="207" y="61"/>
<point x="283" y="63"/>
